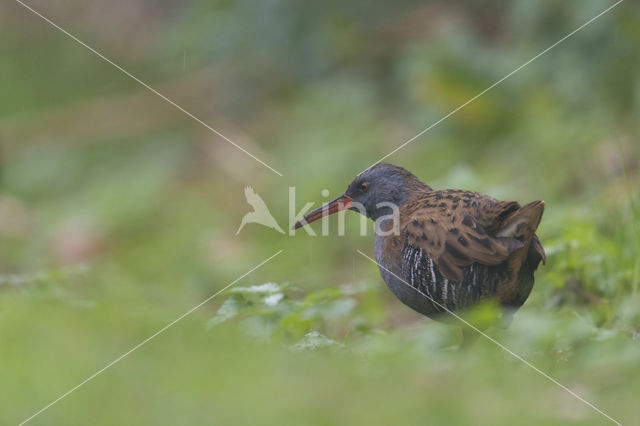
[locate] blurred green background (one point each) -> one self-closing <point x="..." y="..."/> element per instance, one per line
<point x="118" y="213"/>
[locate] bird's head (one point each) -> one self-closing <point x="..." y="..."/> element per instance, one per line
<point x="371" y="193"/>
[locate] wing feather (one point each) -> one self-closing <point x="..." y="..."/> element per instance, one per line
<point x="457" y="239"/>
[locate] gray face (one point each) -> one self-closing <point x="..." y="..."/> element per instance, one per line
<point x="381" y="183"/>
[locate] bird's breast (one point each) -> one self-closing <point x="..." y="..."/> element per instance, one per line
<point x="404" y="283"/>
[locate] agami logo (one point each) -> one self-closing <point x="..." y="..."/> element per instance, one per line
<point x="260" y="213"/>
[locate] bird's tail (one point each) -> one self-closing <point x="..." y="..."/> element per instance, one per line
<point x="522" y="224"/>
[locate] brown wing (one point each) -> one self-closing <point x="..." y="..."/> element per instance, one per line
<point x="453" y="238"/>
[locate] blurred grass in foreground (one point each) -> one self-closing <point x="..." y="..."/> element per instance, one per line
<point x="118" y="213"/>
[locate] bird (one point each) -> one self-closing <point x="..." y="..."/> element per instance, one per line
<point x="442" y="251"/>
<point x="260" y="213"/>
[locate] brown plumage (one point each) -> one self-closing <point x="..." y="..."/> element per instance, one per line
<point x="454" y="247"/>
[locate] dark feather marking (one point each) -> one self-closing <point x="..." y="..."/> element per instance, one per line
<point x="455" y="252"/>
<point x="482" y="241"/>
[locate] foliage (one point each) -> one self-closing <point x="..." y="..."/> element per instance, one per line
<point x="118" y="213"/>
<point x="269" y="312"/>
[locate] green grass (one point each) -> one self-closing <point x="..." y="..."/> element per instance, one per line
<point x="118" y="213"/>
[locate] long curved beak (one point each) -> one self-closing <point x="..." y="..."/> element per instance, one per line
<point x="343" y="202"/>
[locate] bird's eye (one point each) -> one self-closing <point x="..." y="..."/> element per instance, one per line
<point x="364" y="186"/>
